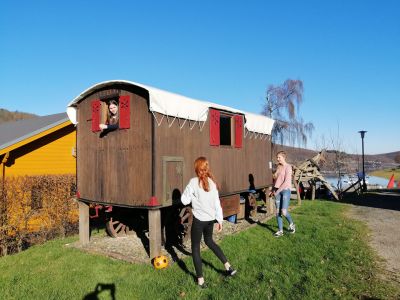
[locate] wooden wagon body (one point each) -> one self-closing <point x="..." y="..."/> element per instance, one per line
<point x="149" y="159"/>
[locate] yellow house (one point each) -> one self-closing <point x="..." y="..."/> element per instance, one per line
<point x="39" y="146"/>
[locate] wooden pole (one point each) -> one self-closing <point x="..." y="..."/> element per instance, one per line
<point x="83" y="223"/>
<point x="3" y="204"/>
<point x="296" y="185"/>
<point x="3" y="164"/>
<point x="3" y="192"/>
<point x="313" y="186"/>
<point x="155" y="232"/>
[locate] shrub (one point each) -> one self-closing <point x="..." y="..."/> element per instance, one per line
<point x="36" y="208"/>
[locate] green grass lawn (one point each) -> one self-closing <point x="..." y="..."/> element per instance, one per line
<point x="327" y="258"/>
<point x="387" y="173"/>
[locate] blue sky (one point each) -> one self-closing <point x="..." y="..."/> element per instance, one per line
<point x="347" y="53"/>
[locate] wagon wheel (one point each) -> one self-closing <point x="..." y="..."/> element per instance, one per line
<point x="116" y="228"/>
<point x="186" y="220"/>
<point x="252" y="205"/>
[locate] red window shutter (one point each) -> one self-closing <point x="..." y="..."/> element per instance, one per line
<point x="238" y="131"/>
<point x="96" y="108"/>
<point x="214" y="127"/>
<point x="124" y="111"/>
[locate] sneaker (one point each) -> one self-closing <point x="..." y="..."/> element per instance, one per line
<point x="292" y="228"/>
<point x="203" y="286"/>
<point x="230" y="272"/>
<point x="278" y="233"/>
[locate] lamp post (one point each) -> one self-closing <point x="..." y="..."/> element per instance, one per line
<point x="362" y="132"/>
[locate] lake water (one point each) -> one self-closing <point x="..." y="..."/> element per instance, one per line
<point x="371" y="180"/>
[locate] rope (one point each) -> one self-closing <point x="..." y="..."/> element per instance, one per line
<point x="158" y="123"/>
<point x="169" y="125"/>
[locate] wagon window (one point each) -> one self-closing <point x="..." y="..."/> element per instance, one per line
<point x="122" y="117"/>
<point x="105" y="117"/>
<point x="225" y="130"/>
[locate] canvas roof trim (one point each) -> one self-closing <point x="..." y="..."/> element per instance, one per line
<point x="175" y="105"/>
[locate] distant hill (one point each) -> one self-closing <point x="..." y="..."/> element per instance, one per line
<point x="350" y="162"/>
<point x="295" y="155"/>
<point x="8" y="116"/>
<point x="391" y="155"/>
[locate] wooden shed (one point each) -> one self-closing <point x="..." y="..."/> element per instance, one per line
<point x="147" y="162"/>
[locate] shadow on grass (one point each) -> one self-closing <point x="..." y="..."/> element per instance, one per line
<point x="220" y="271"/>
<point x="385" y="199"/>
<point x="183" y="266"/>
<point x="170" y="249"/>
<point x="100" y="288"/>
<point x="268" y="226"/>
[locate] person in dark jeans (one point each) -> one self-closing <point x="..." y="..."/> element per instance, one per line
<point x="202" y="193"/>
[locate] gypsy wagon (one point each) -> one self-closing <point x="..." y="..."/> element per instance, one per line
<point x="147" y="162"/>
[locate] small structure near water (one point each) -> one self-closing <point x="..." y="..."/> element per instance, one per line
<point x="308" y="172"/>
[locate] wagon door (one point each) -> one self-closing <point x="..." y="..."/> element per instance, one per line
<point x="172" y="179"/>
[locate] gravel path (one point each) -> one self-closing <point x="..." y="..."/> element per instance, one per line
<point x="381" y="213"/>
<point x="134" y="248"/>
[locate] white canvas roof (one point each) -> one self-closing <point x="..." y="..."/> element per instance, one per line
<point x="179" y="106"/>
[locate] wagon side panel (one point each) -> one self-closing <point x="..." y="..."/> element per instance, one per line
<point x="115" y="168"/>
<point x="231" y="166"/>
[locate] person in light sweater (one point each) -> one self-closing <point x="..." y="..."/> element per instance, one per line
<point x="202" y="193"/>
<point x="281" y="190"/>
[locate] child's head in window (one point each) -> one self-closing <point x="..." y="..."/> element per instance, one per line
<point x="112" y="117"/>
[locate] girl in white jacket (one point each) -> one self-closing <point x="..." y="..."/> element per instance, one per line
<point x="202" y="192"/>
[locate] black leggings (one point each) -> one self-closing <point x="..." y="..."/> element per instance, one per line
<point x="205" y="228"/>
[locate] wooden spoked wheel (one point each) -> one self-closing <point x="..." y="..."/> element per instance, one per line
<point x="186" y="220"/>
<point x="116" y="228"/>
<point x="252" y="205"/>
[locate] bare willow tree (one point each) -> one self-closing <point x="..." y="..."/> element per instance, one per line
<point x="282" y="104"/>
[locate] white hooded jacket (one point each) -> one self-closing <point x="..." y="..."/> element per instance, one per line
<point x="206" y="205"/>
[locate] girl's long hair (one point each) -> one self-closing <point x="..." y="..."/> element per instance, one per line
<point x="110" y="119"/>
<point x="279" y="167"/>
<point x="203" y="172"/>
